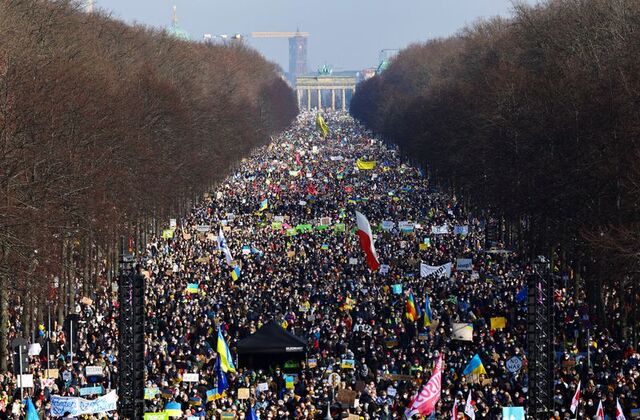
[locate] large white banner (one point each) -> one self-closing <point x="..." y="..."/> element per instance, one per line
<point x="435" y="270"/>
<point x="440" y="230"/>
<point x="79" y="406"/>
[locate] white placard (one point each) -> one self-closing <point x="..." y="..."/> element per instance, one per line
<point x="173" y="223"/>
<point x="191" y="377"/>
<point x="93" y="371"/>
<point x="25" y="381"/>
<point x="462" y="331"/>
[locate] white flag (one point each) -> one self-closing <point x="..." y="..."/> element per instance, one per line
<point x="222" y="244"/>
<point x="575" y="400"/>
<point x="468" y="408"/>
<point x="619" y="413"/>
<point x="600" y="412"/>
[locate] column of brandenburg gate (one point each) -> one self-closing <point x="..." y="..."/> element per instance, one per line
<point x="308" y="86"/>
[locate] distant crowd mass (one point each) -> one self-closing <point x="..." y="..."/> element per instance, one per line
<point x="326" y="235"/>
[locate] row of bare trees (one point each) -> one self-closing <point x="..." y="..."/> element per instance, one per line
<point x="108" y="130"/>
<point x="534" y="118"/>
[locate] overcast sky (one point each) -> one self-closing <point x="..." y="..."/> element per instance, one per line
<point x="345" y="34"/>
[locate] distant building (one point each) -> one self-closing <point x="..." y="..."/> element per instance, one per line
<point x="175" y="30"/>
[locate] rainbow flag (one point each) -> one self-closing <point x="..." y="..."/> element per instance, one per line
<point x="413" y="312"/>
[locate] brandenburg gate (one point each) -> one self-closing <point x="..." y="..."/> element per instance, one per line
<point x="323" y="86"/>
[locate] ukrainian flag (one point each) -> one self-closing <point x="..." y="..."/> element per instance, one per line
<point x="235" y="273"/>
<point x="322" y="125"/>
<point x="192" y="288"/>
<point x="428" y="316"/>
<point x="173" y="409"/>
<point x="413" y="312"/>
<point x="212" y="394"/>
<point x="475" y="366"/>
<point x="226" y="361"/>
<point x="264" y="204"/>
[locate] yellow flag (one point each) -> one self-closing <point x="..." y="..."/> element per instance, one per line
<point x="498" y="323"/>
<point x="322" y="126"/>
<point x="365" y="165"/>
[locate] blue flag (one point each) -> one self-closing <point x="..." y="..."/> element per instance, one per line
<point x="223" y="384"/>
<point x="251" y="414"/>
<point x="522" y="295"/>
<point x="32" y="413"/>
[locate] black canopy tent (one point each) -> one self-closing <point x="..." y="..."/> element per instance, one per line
<point x="270" y="346"/>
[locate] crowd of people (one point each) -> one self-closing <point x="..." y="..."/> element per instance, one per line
<point x="287" y="214"/>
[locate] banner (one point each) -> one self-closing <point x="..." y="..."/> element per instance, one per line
<point x="462" y="331"/>
<point x="461" y="230"/>
<point x="162" y="415"/>
<point x="406" y="226"/>
<point x="440" y="230"/>
<point x="79" y="406"/>
<point x="387" y="225"/>
<point x="365" y="165"/>
<point x="439" y="271"/>
<point x="91" y="390"/>
<point x="464" y="264"/>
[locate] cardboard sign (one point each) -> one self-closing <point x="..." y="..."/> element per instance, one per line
<point x="86" y="301"/>
<point x="396" y="377"/>
<point x="243" y="393"/>
<point x="51" y="373"/>
<point x="346" y="397"/>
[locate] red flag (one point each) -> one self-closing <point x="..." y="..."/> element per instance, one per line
<point x="298" y="159"/>
<point x="366" y="241"/>
<point x="311" y="189"/>
<point x="454" y="411"/>
<point x="425" y="402"/>
<point x="575" y="400"/>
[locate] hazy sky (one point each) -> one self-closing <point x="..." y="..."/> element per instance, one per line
<point x="346" y="34"/>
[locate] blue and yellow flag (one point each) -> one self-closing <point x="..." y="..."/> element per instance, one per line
<point x="428" y="316"/>
<point x="226" y="361"/>
<point x="264" y="204"/>
<point x="193" y="288"/>
<point x="322" y="125"/>
<point x="475" y="366"/>
<point x="235" y="273"/>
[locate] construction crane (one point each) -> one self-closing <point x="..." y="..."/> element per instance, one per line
<point x="297" y="49"/>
